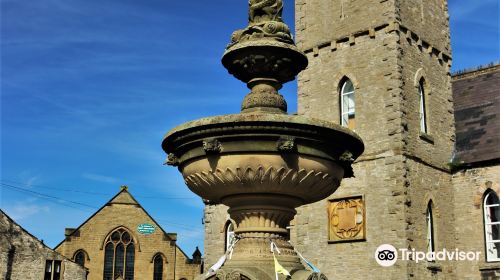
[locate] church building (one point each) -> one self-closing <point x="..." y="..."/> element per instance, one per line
<point x="122" y="241"/>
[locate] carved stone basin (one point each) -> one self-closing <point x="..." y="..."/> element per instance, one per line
<point x="262" y="166"/>
<point x="300" y="159"/>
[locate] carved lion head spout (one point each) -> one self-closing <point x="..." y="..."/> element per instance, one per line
<point x="265" y="10"/>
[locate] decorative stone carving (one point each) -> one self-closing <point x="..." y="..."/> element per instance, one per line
<point x="317" y="276"/>
<point x="272" y="30"/>
<point x="286" y="144"/>
<point x="346" y="157"/>
<point x="231" y="275"/>
<point x="212" y="146"/>
<point x="172" y="160"/>
<point x="346" y="219"/>
<point x="280" y="65"/>
<point x="346" y="160"/>
<point x="264" y="97"/>
<point x="265" y="10"/>
<point x="267" y="177"/>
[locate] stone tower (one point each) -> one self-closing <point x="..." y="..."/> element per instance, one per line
<point x="388" y="62"/>
<point x="382" y="68"/>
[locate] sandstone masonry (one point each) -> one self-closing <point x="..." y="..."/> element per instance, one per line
<point x="124" y="213"/>
<point x="389" y="49"/>
<point x="23" y="257"/>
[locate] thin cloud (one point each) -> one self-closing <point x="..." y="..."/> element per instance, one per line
<point x="465" y="9"/>
<point x="26" y="209"/>
<point x="100" y="178"/>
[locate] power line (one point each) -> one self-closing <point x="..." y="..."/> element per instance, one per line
<point x="93" y="193"/>
<point x="59" y="200"/>
<point x="49" y="197"/>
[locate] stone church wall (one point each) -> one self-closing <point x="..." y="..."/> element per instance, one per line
<point x="379" y="182"/>
<point x="215" y="217"/>
<point x="470" y="186"/>
<point x="126" y="213"/>
<point x="23" y="257"/>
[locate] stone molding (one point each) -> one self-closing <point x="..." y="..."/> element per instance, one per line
<point x="270" y="176"/>
<point x="371" y="32"/>
<point x="131" y="232"/>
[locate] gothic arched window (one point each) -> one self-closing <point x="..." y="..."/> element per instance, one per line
<point x="79" y="257"/>
<point x="229" y="235"/>
<point x="119" y="255"/>
<point x="430" y="228"/>
<point x="158" y="267"/>
<point x="491" y="207"/>
<point x="422" y="108"/>
<point x="347" y="104"/>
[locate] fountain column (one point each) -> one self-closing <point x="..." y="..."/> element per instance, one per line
<point x="262" y="163"/>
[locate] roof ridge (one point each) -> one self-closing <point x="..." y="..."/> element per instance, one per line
<point x="476" y="71"/>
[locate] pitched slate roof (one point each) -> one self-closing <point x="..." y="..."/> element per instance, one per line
<point x="476" y="96"/>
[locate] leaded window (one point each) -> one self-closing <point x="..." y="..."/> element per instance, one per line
<point x="491" y="207"/>
<point x="158" y="267"/>
<point x="119" y="256"/>
<point x="347" y="104"/>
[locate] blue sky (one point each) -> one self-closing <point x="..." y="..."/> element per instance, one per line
<point x="88" y="88"/>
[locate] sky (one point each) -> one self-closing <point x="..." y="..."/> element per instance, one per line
<point x="89" y="88"/>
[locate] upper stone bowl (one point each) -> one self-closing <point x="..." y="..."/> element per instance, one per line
<point x="262" y="155"/>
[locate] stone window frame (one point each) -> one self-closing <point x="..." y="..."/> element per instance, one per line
<point x="488" y="223"/>
<point x="341" y="86"/>
<point x="136" y="240"/>
<point x="50" y="264"/>
<point x="424" y="93"/>
<point x="85" y="256"/>
<point x="364" y="226"/>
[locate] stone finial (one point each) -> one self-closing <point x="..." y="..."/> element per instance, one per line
<point x="264" y="56"/>
<point x="124" y="188"/>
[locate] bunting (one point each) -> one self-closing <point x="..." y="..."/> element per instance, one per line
<point x="278" y="268"/>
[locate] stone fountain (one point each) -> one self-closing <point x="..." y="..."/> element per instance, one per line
<point x="262" y="163"/>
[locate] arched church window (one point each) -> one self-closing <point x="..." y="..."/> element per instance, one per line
<point x="491" y="207"/>
<point x="119" y="255"/>
<point x="430" y="228"/>
<point x="422" y="106"/>
<point x="229" y="235"/>
<point x="347" y="104"/>
<point x="158" y="267"/>
<point x="79" y="257"/>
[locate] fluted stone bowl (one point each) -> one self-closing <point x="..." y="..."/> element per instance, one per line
<point x="228" y="159"/>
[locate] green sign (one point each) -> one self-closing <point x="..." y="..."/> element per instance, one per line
<point x="146" y="229"/>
